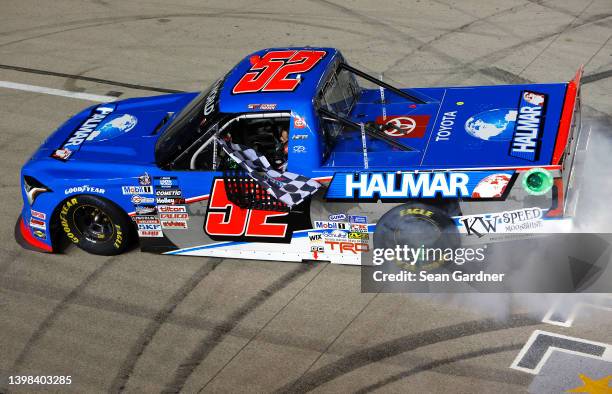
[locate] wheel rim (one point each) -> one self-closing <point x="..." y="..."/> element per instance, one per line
<point x="95" y="225"/>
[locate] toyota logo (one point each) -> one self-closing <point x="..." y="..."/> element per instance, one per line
<point x="403" y="126"/>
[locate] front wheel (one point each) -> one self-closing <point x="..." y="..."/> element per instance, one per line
<point x="95" y="225"/>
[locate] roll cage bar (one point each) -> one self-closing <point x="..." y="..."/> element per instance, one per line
<point x="369" y="130"/>
<point x="415" y="97"/>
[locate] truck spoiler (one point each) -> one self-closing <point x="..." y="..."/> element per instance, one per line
<point x="570" y="147"/>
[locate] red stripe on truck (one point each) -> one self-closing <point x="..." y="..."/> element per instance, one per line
<point x="567" y="115"/>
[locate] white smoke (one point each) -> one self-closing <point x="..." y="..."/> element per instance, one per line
<point x="593" y="215"/>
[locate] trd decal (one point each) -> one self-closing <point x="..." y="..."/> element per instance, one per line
<point x="275" y="71"/>
<point x="226" y="221"/>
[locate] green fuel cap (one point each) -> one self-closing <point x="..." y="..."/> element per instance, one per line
<point x="537" y="181"/>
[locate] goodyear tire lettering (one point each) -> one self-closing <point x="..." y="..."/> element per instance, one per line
<point x="64" y="221"/>
<point x="416" y="211"/>
<point x="118" y="237"/>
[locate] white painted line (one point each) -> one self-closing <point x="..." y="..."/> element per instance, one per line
<point x="606" y="356"/>
<point x="593" y="304"/>
<point x="56" y="92"/>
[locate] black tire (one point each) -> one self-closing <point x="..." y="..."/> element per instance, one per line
<point x="95" y="225"/>
<point x="417" y="225"/>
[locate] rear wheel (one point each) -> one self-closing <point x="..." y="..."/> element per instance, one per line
<point x="417" y="225"/>
<point x="95" y="225"/>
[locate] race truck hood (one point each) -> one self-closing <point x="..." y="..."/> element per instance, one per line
<point x="123" y="131"/>
<point x="460" y="127"/>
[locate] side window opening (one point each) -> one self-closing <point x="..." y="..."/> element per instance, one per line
<point x="268" y="135"/>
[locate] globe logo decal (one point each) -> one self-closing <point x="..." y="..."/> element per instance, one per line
<point x="114" y="128"/>
<point x="492" y="186"/>
<point x="493" y="125"/>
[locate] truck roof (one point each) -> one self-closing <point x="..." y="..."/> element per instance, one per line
<point x="253" y="80"/>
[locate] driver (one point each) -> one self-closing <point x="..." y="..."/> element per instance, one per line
<point x="282" y="149"/>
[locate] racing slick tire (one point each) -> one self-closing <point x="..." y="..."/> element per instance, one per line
<point x="417" y="225"/>
<point x="95" y="225"/>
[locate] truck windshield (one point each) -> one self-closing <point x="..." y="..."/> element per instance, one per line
<point x="339" y="96"/>
<point x="188" y="126"/>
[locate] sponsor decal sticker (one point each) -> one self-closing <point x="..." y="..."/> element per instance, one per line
<point x="85" y="189"/>
<point x="172" y="208"/>
<point x="166" y="182"/>
<point x="358" y="219"/>
<point x="360" y="228"/>
<point x="317" y="245"/>
<point x="358" y="235"/>
<point x="404" y="126"/>
<point x="168" y="193"/>
<point x="183" y="216"/>
<point x="529" y="126"/>
<point x="148" y="226"/>
<point x="144" y="180"/>
<point x="520" y="220"/>
<point x="84" y="132"/>
<point x="170" y="200"/>
<point x="37" y="223"/>
<point x="147" y="220"/>
<point x="137" y="189"/>
<point x="150" y="233"/>
<point x="113" y="128"/>
<point x="331" y="225"/>
<point x="445" y="127"/>
<point x="299" y="149"/>
<point x="174" y="224"/>
<point x="146" y="210"/>
<point x="263" y="107"/>
<point x="335" y="235"/>
<point x="492" y="186"/>
<point x="337" y="217"/>
<point x="398" y="186"/>
<point x="211" y="99"/>
<point x="298" y="122"/>
<point x="62" y="154"/>
<point x="40" y="234"/>
<point x="137" y="200"/>
<point x="346" y="246"/>
<point x="299" y="136"/>
<point x="38" y="215"/>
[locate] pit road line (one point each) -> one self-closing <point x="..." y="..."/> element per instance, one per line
<point x="56" y="92"/>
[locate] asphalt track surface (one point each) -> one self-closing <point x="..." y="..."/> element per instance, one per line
<point x="149" y="323"/>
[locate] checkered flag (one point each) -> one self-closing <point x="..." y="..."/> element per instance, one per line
<point x="287" y="187"/>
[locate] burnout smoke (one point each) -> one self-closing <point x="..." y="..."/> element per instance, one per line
<point x="593" y="215"/>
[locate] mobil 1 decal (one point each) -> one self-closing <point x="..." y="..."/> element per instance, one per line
<point x="225" y="221"/>
<point x="529" y="125"/>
